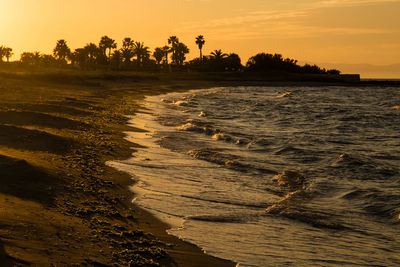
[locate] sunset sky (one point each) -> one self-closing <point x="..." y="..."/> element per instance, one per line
<point x="315" y="31"/>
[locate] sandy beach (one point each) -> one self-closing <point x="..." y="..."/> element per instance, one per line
<point x="60" y="204"/>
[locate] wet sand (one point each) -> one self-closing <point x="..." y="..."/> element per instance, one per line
<point x="59" y="203"/>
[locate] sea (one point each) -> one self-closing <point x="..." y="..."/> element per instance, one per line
<point x="274" y="176"/>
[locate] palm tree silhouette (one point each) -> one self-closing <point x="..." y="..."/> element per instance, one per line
<point x="158" y="54"/>
<point x="2" y="52"/>
<point x="173" y="41"/>
<point x="200" y="42"/>
<point x="91" y="51"/>
<point x="141" y="51"/>
<point x="127" y="49"/>
<point x="8" y="53"/>
<point x="180" y="54"/>
<point x="217" y="55"/>
<point x="166" y="49"/>
<point x="80" y="56"/>
<point x="5" y="52"/>
<point x="107" y="43"/>
<point x="61" y="52"/>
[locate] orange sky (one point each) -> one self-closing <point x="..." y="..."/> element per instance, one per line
<point x="316" y="31"/>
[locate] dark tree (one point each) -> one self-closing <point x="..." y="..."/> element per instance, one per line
<point x="30" y="58"/>
<point x="141" y="51"/>
<point x="48" y="60"/>
<point x="158" y="54"/>
<point x="116" y="59"/>
<point x="80" y="57"/>
<point x="5" y="52"/>
<point x="173" y="41"/>
<point x="200" y="43"/>
<point x="92" y="52"/>
<point x="2" y="53"/>
<point x="334" y="71"/>
<point x="232" y="62"/>
<point x="61" y="52"/>
<point x="107" y="43"/>
<point x="263" y="62"/>
<point x="179" y="55"/>
<point x="8" y="53"/>
<point x="218" y="55"/>
<point x="268" y="62"/>
<point x="166" y="49"/>
<point x="127" y="50"/>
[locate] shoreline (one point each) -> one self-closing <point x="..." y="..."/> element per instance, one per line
<point x="183" y="253"/>
<point x="60" y="203"/>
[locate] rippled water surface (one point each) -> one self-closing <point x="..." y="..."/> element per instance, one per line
<point x="270" y="176"/>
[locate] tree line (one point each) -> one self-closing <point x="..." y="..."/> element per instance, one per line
<point x="135" y="55"/>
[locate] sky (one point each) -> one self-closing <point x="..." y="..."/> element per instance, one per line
<point x="312" y="31"/>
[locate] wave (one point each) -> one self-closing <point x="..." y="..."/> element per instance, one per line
<point x="376" y="202"/>
<point x="211" y="155"/>
<point x="292" y="206"/>
<point x="362" y="167"/>
<point x="227" y="160"/>
<point x="190" y="127"/>
<point x="290" y="150"/>
<point x="228" y="202"/>
<point x="225" y="218"/>
<point x="204" y="128"/>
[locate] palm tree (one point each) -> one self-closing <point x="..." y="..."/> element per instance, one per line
<point x="180" y="54"/>
<point x="91" y="51"/>
<point x="107" y="43"/>
<point x="217" y="55"/>
<point x="61" y="52"/>
<point x="80" y="57"/>
<point x="141" y="51"/>
<point x="36" y="57"/>
<point x="116" y="59"/>
<point x="158" y="54"/>
<point x="127" y="49"/>
<point x="166" y="49"/>
<point x="173" y="41"/>
<point x="8" y="53"/>
<point x="2" y="53"/>
<point x="200" y="42"/>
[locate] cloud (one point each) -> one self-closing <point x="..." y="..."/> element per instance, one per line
<point x="250" y="20"/>
<point x="287" y="31"/>
<point x="283" y="24"/>
<point x="345" y="3"/>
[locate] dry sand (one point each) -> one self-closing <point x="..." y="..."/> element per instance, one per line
<point x="60" y="205"/>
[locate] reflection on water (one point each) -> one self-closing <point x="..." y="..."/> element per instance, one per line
<point x="275" y="176"/>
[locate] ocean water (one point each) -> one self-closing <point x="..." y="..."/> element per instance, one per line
<point x="268" y="176"/>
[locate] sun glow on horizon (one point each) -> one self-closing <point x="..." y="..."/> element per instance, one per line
<point x="335" y="31"/>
